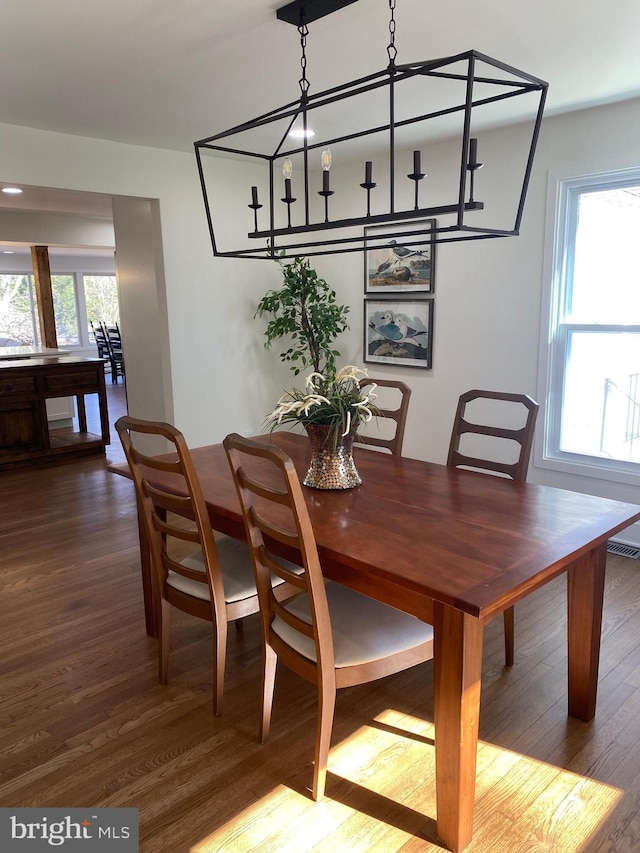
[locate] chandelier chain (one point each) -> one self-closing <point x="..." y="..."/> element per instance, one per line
<point x="304" y="32"/>
<point x="391" y="47"/>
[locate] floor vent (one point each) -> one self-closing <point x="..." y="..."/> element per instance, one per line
<point x="623" y="550"/>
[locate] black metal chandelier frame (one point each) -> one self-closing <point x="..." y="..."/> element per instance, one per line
<point x="274" y="241"/>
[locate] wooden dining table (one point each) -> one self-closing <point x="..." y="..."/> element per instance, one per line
<point x="454" y="548"/>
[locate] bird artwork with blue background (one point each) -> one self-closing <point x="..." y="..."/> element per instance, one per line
<point x="396" y="334"/>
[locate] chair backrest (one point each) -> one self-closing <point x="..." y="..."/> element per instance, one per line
<point x="101" y="340"/>
<point x="182" y="496"/>
<point x="278" y="526"/>
<point x="114" y="341"/>
<point x="116" y="355"/>
<point x="113" y="335"/>
<point x="398" y="416"/>
<point x="522" y="435"/>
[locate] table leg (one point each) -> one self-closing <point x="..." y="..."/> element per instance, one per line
<point x="104" y="410"/>
<point x="585" y="594"/>
<point x="457" y="668"/>
<point x="82" y="413"/>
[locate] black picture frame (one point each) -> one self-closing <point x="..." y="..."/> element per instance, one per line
<point x="399" y="332"/>
<point x="393" y="268"/>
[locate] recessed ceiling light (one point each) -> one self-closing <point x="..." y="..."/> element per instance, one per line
<point x="11" y="190"/>
<point x="300" y="133"/>
<point x="8" y="252"/>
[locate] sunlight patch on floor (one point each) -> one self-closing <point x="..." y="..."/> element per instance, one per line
<point x="381" y="795"/>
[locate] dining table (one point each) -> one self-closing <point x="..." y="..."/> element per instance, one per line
<point x="454" y="548"/>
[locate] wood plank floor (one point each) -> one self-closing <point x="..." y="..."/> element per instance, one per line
<point x="84" y="722"/>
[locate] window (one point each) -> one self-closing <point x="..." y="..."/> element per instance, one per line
<point x="17" y="310"/>
<point x="593" y="413"/>
<point x="65" y="309"/>
<point x="73" y="311"/>
<point x="101" y="299"/>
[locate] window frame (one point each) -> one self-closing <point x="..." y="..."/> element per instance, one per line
<point x="563" y="193"/>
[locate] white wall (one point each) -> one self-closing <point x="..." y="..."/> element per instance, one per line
<point x="218" y="371"/>
<point x="60" y="264"/>
<point x="488" y="293"/>
<point x="48" y="229"/>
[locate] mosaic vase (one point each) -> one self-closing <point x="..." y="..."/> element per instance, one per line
<point x="332" y="465"/>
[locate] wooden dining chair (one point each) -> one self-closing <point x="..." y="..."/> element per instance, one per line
<point x="398" y="416"/>
<point x="330" y="635"/>
<point x="210" y="579"/>
<point x="508" y="450"/>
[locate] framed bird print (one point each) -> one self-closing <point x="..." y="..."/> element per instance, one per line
<point x="398" y="332"/>
<point x="400" y="265"/>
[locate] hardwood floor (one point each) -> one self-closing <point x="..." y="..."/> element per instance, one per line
<point x="84" y="722"/>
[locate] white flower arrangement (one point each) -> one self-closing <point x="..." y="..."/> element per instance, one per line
<point x="336" y="401"/>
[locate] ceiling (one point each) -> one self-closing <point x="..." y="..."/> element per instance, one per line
<point x="162" y="73"/>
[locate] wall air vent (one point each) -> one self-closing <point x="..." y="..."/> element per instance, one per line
<point x="623" y="550"/>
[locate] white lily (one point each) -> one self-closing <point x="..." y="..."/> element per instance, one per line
<point x="330" y="406"/>
<point x="369" y="392"/>
<point x="310" y="384"/>
<point x="313" y="400"/>
<point x="350" y="371"/>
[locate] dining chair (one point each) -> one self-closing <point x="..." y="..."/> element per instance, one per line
<point x="396" y="415"/>
<point x="330" y="635"/>
<point x="514" y="442"/>
<point x="116" y="353"/>
<point x="208" y="578"/>
<point x="102" y="345"/>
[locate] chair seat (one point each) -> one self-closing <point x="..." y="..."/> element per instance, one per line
<point x="236" y="567"/>
<point x="363" y="629"/>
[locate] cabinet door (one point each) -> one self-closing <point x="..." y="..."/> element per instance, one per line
<point x="20" y="427"/>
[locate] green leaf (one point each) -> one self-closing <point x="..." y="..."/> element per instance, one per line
<point x="304" y="309"/>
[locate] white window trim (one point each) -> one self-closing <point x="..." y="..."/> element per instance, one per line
<point x="558" y="222"/>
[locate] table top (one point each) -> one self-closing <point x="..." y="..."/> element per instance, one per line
<point x="54" y="360"/>
<point x="428" y="532"/>
<point x="24" y="351"/>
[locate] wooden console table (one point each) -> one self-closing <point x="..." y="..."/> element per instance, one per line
<point x="25" y="386"/>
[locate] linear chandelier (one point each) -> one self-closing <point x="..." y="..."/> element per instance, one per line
<point x="379" y="131"/>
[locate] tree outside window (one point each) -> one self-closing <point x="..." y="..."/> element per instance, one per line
<point x="65" y="308"/>
<point x="101" y="299"/>
<point x="73" y="315"/>
<point x="17" y="322"/>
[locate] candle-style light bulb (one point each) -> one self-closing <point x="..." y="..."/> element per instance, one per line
<point x="326" y="159"/>
<point x="287" y="168"/>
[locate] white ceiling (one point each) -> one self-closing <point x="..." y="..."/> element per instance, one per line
<point x="163" y="73"/>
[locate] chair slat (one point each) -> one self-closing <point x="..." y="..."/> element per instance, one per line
<point x="399" y="415"/>
<point x="517" y="470"/>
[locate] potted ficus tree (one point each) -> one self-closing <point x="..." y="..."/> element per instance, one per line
<point x="305" y="312"/>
